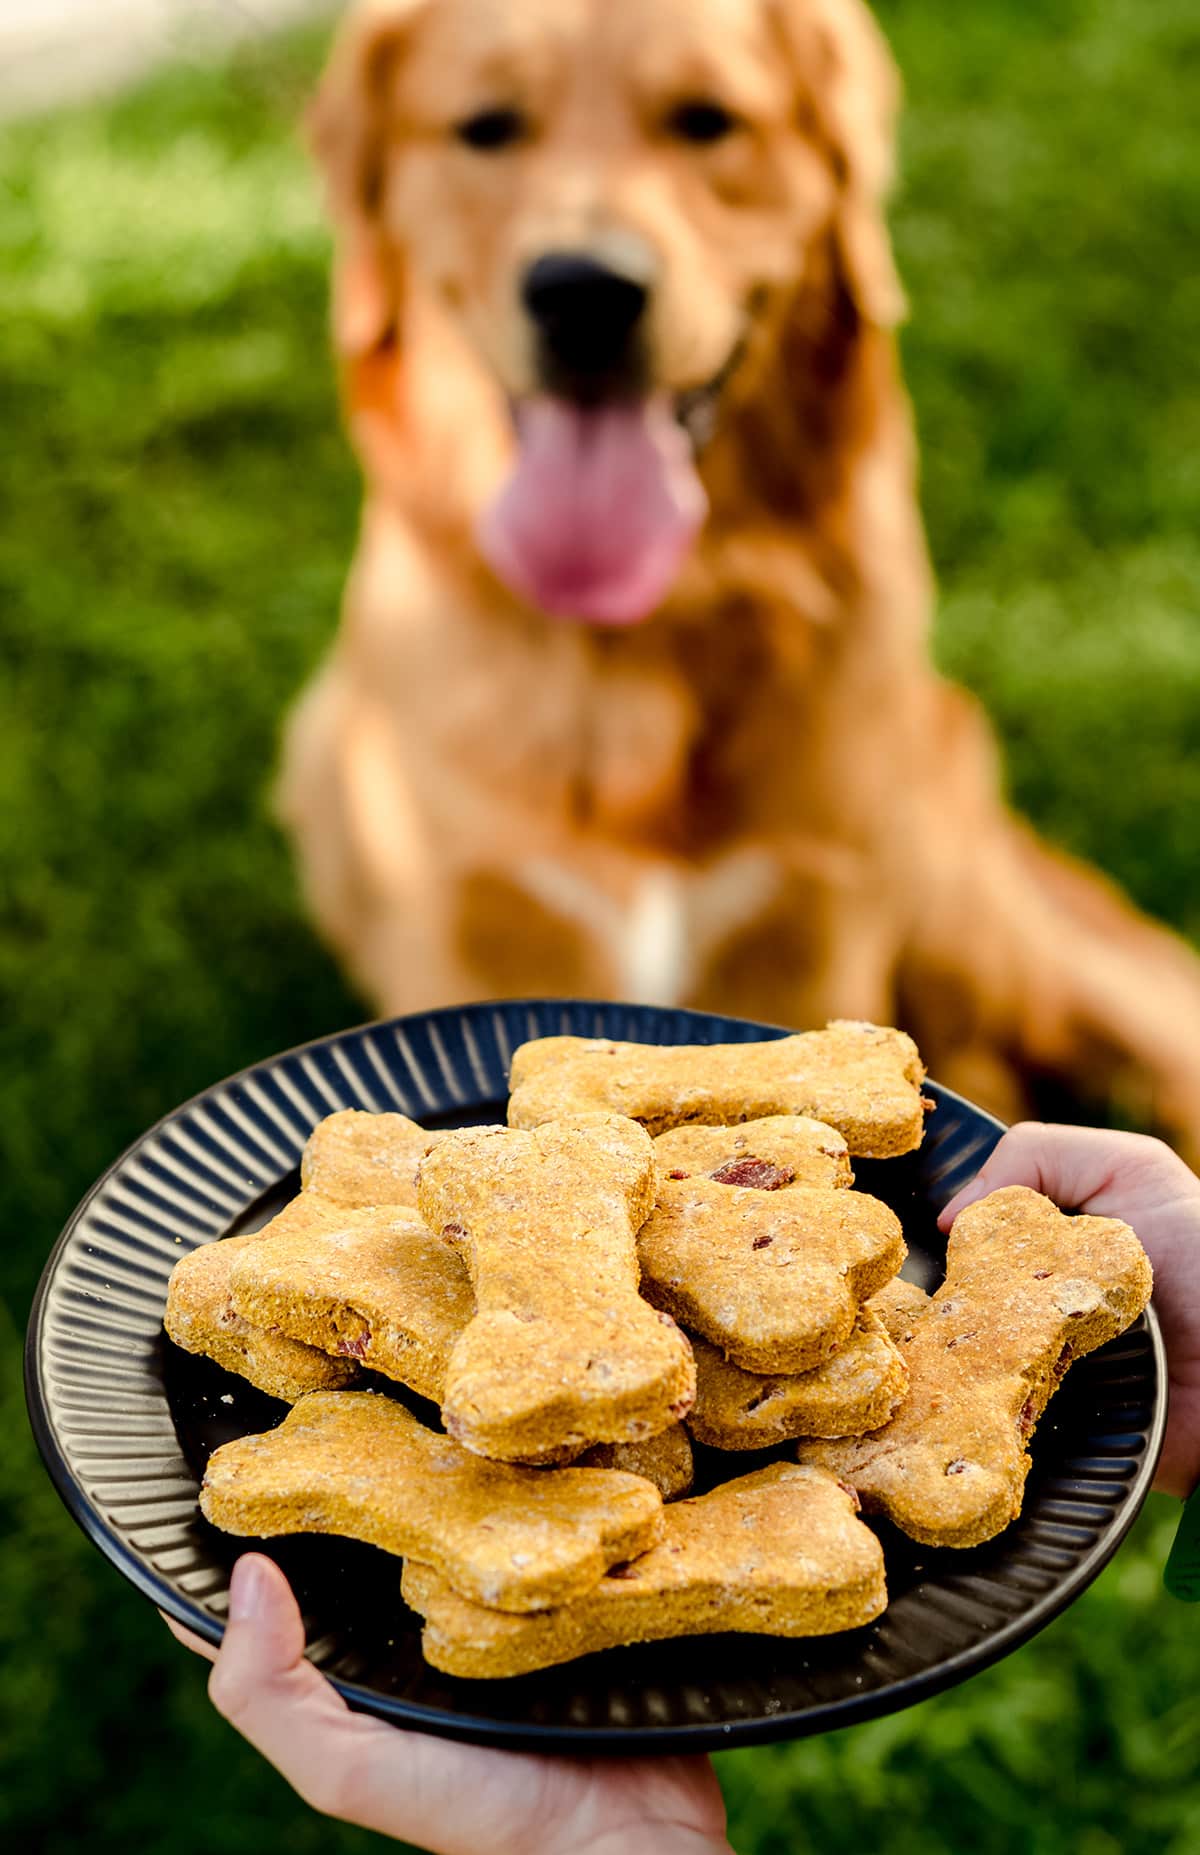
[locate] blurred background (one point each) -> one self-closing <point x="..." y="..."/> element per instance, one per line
<point x="177" y="511"/>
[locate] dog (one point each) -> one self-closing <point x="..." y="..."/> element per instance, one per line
<point x="632" y="694"/>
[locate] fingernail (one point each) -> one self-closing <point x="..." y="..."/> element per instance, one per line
<point x="247" y="1590"/>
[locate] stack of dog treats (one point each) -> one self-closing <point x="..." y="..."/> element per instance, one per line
<point x="663" y="1242"/>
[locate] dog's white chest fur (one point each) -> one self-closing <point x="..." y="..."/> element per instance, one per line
<point x="657" y="937"/>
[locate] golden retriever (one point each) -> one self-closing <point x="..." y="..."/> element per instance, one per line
<point x="632" y="694"/>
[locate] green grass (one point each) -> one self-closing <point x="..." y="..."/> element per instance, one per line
<point x="178" y="511"/>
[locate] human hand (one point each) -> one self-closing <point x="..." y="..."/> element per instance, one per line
<point x="1141" y="1181"/>
<point x="452" y="1799"/>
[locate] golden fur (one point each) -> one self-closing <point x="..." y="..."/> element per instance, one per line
<point x="763" y="800"/>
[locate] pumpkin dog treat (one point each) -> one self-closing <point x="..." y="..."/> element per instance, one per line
<point x="379" y="1287"/>
<point x="365" y="1284"/>
<point x="356" y="1158"/>
<point x="200" y="1317"/>
<point x="774" y="1277"/>
<point x="357" y="1463"/>
<point x="562" y="1352"/>
<point x="665" y="1459"/>
<point x="860" y="1078"/>
<point x="776" y="1552"/>
<point x="858" y="1389"/>
<point x="1027" y="1291"/>
<point x="862" y="1384"/>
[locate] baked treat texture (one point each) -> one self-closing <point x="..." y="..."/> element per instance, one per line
<point x="373" y="1285"/>
<point x="1028" y="1290"/>
<point x="768" y="1154"/>
<point x="774" y="1279"/>
<point x="862" y="1079"/>
<point x="776" y="1552"/>
<point x="200" y="1316"/>
<point x="899" y="1305"/>
<point x="665" y="1459"/>
<point x="860" y="1387"/>
<point x="358" y="1464"/>
<point x="356" y="1158"/>
<point x="562" y="1351"/>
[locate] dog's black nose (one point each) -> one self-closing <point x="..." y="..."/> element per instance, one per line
<point x="587" y="317"/>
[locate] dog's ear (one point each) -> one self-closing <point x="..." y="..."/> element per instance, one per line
<point x="851" y="93"/>
<point x="348" y="132"/>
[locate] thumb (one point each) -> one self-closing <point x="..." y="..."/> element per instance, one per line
<point x="1069" y="1164"/>
<point x="1080" y="1168"/>
<point x="264" y="1687"/>
<point x="444" y="1796"/>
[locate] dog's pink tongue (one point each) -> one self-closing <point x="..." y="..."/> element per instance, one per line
<point x="599" y="511"/>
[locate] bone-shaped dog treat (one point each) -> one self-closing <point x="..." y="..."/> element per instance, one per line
<point x="356" y="1158"/>
<point x="358" y="1464"/>
<point x="773" y="1552"/>
<point x="665" y="1459"/>
<point x="858" y="1389"/>
<point x="377" y="1286"/>
<point x="771" y="1271"/>
<point x="200" y="1317"/>
<point x="562" y="1352"/>
<point x="372" y="1285"/>
<point x="1027" y="1292"/>
<point x="860" y="1078"/>
<point x="862" y="1385"/>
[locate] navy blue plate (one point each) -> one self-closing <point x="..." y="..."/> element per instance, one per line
<point x="125" y="1421"/>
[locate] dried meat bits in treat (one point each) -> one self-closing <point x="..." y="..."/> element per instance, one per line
<point x="358" y="1464"/>
<point x="863" y="1079"/>
<point x="774" y="1273"/>
<point x="373" y="1285"/>
<point x="562" y="1352"/>
<point x="776" y="1552"/>
<point x="1028" y="1290"/>
<point x="767" y="1154"/>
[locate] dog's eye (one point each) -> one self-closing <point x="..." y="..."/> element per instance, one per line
<point x="699" y="121"/>
<point x="492" y="128"/>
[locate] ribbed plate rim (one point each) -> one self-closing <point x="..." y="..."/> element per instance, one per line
<point x="534" y="1735"/>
